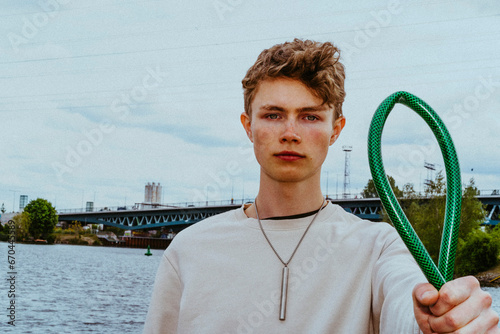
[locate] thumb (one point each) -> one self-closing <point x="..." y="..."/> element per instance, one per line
<point x="425" y="294"/>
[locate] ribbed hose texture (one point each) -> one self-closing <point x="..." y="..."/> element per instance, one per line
<point x="437" y="276"/>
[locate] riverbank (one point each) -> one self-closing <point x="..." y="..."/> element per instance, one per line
<point x="82" y="240"/>
<point x="486" y="277"/>
<point x="101" y="240"/>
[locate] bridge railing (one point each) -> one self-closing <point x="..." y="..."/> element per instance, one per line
<point x="141" y="206"/>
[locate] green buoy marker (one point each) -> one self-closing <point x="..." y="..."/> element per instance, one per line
<point x="148" y="253"/>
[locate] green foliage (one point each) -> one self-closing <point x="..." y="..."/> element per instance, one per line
<point x="76" y="226"/>
<point x="427" y="217"/>
<point x="43" y="218"/>
<point x="477" y="254"/>
<point x="495" y="234"/>
<point x="409" y="192"/>
<point x="77" y="241"/>
<point x="371" y="192"/>
<point x="116" y="230"/>
<point x="436" y="187"/>
<point x="4" y="232"/>
<point x="22" y="224"/>
<point x="473" y="212"/>
<point x="51" y="238"/>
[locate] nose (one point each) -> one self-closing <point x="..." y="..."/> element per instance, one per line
<point x="290" y="133"/>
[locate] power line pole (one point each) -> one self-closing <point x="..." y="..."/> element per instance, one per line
<point x="347" y="167"/>
<point x="14" y="200"/>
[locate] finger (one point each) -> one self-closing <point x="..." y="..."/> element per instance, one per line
<point x="425" y="294"/>
<point x="473" y="316"/>
<point x="454" y="293"/>
<point x="485" y="323"/>
<point x="462" y="314"/>
<point x="422" y="315"/>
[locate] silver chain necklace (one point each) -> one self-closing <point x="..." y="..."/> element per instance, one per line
<point x="285" y="271"/>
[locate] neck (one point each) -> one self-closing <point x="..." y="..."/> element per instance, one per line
<point x="287" y="198"/>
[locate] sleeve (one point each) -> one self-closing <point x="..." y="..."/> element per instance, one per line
<point x="395" y="275"/>
<point x="163" y="310"/>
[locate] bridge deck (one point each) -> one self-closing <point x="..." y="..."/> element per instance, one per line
<point x="178" y="218"/>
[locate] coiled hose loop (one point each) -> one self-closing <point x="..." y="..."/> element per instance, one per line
<point x="437" y="276"/>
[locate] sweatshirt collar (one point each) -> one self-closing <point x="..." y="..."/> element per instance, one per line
<point x="283" y="222"/>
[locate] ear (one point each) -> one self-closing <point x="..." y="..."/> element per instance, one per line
<point x="338" y="125"/>
<point x="247" y="124"/>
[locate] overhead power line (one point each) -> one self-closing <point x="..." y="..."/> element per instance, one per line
<point x="107" y="54"/>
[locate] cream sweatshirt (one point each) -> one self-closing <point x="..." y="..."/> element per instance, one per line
<point x="220" y="276"/>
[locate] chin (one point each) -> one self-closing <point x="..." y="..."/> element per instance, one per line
<point x="288" y="177"/>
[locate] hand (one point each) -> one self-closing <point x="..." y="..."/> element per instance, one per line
<point x="459" y="305"/>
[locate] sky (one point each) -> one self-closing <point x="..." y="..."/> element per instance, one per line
<point x="98" y="98"/>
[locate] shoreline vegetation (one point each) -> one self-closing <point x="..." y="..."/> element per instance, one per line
<point x="91" y="235"/>
<point x="478" y="248"/>
<point x="487" y="278"/>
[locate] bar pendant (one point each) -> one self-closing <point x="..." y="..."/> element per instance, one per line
<point x="284" y="290"/>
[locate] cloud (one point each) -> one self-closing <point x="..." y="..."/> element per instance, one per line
<point x="193" y="135"/>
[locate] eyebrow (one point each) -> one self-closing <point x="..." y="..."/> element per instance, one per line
<point x="318" y="108"/>
<point x="271" y="107"/>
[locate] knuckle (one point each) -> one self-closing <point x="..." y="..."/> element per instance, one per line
<point x="495" y="319"/>
<point x="471" y="281"/>
<point x="487" y="299"/>
<point x="447" y="296"/>
<point x="452" y="321"/>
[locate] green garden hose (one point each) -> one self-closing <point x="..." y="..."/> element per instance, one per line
<point x="439" y="275"/>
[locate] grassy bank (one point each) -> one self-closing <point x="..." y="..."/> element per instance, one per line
<point x="91" y="240"/>
<point x="75" y="237"/>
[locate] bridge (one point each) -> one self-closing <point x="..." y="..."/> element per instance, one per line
<point x="179" y="216"/>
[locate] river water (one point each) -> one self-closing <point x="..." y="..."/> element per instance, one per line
<point x="82" y="289"/>
<point x="79" y="289"/>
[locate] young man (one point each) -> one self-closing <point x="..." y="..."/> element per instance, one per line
<point x="291" y="262"/>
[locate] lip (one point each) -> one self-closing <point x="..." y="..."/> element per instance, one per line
<point x="289" y="156"/>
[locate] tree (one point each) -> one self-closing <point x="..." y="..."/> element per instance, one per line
<point x="427" y="217"/>
<point x="2" y="209"/>
<point x="77" y="227"/>
<point x="473" y="212"/>
<point x="409" y="191"/>
<point x="22" y="224"/>
<point x="371" y="192"/>
<point x="43" y="218"/>
<point x="477" y="254"/>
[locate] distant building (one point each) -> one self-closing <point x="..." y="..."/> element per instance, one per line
<point x="152" y="193"/>
<point x="23" y="201"/>
<point x="89" y="207"/>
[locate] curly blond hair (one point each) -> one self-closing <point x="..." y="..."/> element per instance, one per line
<point x="313" y="63"/>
